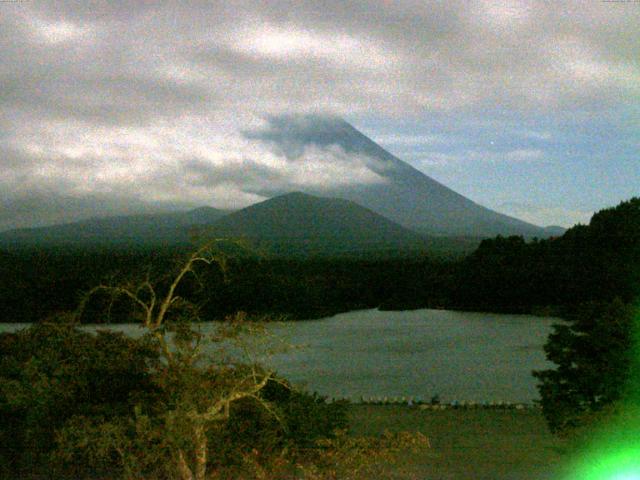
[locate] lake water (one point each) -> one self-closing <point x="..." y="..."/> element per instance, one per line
<point x="459" y="356"/>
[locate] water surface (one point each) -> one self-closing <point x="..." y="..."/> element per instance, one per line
<point x="420" y="353"/>
<point x="461" y="356"/>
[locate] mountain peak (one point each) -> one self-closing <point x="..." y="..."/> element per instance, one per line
<point x="322" y="222"/>
<point x="405" y="195"/>
<point x="302" y="199"/>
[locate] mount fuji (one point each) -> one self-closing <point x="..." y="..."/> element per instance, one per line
<point x="404" y="194"/>
<point x="394" y="201"/>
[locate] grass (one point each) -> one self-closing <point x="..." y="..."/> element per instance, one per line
<point x="477" y="444"/>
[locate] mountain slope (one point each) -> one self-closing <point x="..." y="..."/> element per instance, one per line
<point x="152" y="229"/>
<point x="406" y="195"/>
<point x="290" y="224"/>
<point x="42" y="209"/>
<point x="321" y="224"/>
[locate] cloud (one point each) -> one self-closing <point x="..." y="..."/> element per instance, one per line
<point x="112" y="97"/>
<point x="316" y="172"/>
<point x="183" y="161"/>
<point x="58" y="32"/>
<point x="288" y="153"/>
<point x="402" y="57"/>
<point x="412" y="141"/>
<point x="537" y="135"/>
<point x="283" y="44"/>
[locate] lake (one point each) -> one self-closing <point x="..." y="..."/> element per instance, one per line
<point x="462" y="356"/>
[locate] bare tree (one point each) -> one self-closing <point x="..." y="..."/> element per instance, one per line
<point x="201" y="391"/>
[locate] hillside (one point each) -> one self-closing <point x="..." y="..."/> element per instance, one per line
<point x="594" y="262"/>
<point x="288" y="225"/>
<point x="301" y="222"/>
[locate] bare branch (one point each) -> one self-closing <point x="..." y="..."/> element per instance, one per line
<point x="198" y="256"/>
<point x="114" y="290"/>
<point x="267" y="406"/>
<point x="220" y="409"/>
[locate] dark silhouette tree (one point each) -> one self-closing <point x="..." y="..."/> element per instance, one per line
<point x="594" y="354"/>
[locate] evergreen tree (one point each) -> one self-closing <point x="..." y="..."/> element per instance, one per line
<point x="593" y="353"/>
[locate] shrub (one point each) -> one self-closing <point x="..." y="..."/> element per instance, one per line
<point x="52" y="372"/>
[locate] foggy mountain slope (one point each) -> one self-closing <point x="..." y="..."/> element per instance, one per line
<point x="144" y="229"/>
<point x="314" y="154"/>
<point x="41" y="209"/>
<point x="406" y="195"/>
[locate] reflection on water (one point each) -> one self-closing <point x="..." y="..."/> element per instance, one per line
<point x="421" y="353"/>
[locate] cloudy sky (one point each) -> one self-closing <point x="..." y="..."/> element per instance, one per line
<point x="531" y="108"/>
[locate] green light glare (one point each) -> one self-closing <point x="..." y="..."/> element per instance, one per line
<point x="626" y="476"/>
<point x="613" y="453"/>
<point x="622" y="466"/>
<point x="613" y="449"/>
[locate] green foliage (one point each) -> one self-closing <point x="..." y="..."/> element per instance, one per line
<point x="594" y="357"/>
<point x="297" y="288"/>
<point x="79" y="405"/>
<point x="53" y="372"/>
<point x="172" y="404"/>
<point x="308" y="416"/>
<point x="293" y="424"/>
<point x="589" y="263"/>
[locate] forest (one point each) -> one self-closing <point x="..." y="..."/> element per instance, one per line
<point x="595" y="262"/>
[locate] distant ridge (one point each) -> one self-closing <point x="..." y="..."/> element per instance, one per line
<point x="293" y="224"/>
<point x="554" y="231"/>
<point x="144" y="229"/>
<point x="43" y="209"/>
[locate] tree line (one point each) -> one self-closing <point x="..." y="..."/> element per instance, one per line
<point x="295" y="288"/>
<point x="589" y="263"/>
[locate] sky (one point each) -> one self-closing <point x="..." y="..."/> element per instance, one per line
<point x="531" y="108"/>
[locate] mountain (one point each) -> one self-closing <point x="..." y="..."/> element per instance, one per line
<point x="41" y="209"/>
<point x="294" y="223"/>
<point x="347" y="165"/>
<point x="298" y="222"/>
<point x="404" y="195"/>
<point x="290" y="224"/>
<point x="389" y="187"/>
<point x="146" y="229"/>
